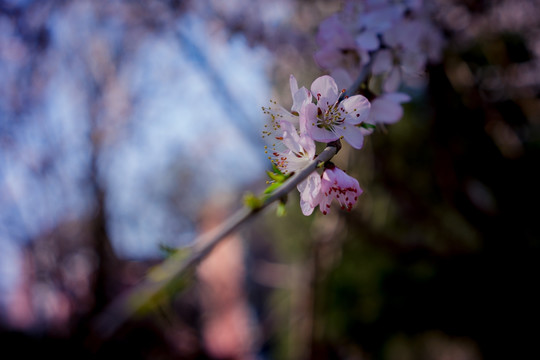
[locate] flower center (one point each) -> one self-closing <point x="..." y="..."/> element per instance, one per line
<point x="334" y="115"/>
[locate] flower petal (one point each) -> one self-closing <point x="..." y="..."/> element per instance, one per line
<point x="357" y="109"/>
<point x="300" y="98"/>
<point x="310" y="193"/>
<point x="353" y="135"/>
<point x="293" y="83"/>
<point x="290" y="137"/>
<point x="397" y="97"/>
<point x="382" y="62"/>
<point x="368" y="40"/>
<point x="306" y="207"/>
<point x="343" y="79"/>
<point x="322" y="135"/>
<point x="385" y="111"/>
<point x="392" y="82"/>
<point x="307" y="143"/>
<point x="327" y="57"/>
<point x="325" y="89"/>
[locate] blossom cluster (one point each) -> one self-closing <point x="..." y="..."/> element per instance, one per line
<point x="389" y="42"/>
<point x="322" y="114"/>
<point x="379" y="43"/>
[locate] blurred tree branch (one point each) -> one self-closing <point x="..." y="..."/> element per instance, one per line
<point x="163" y="275"/>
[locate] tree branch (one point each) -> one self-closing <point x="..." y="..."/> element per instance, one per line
<point x="128" y="304"/>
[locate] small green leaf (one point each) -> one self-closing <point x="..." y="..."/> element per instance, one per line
<point x="272" y="187"/>
<point x="276" y="177"/>
<point x="276" y="169"/>
<point x="252" y="201"/>
<point x="368" y="126"/>
<point x="148" y="300"/>
<point x="281" y="210"/>
<point x="167" y="250"/>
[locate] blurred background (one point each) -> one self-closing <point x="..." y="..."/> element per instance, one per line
<point x="129" y="127"/>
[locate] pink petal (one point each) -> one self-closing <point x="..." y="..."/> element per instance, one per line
<point x="293" y="84"/>
<point x="397" y="97"/>
<point x="385" y="111"/>
<point x="306" y="207"/>
<point x="392" y="82"/>
<point x="381" y="19"/>
<point x="290" y="137"/>
<point x="324" y="205"/>
<point x="332" y="32"/>
<point x="310" y="193"/>
<point x="382" y="62"/>
<point x="325" y="88"/>
<point x="368" y="40"/>
<point x="357" y="107"/>
<point x="353" y="135"/>
<point x="327" y="57"/>
<point x="322" y="135"/>
<point x="300" y="98"/>
<point x="342" y="77"/>
<point x="308" y="144"/>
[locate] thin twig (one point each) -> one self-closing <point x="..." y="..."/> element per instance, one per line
<point x="355" y="87"/>
<point x="124" y="307"/>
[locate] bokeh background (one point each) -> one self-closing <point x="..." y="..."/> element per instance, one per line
<point x="129" y="127"/>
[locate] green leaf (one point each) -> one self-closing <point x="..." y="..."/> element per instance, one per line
<point x="272" y="187"/>
<point x="368" y="126"/>
<point x="252" y="201"/>
<point x="281" y="211"/>
<point x="276" y="169"/>
<point x="167" y="250"/>
<point x="276" y="177"/>
<point x="156" y="299"/>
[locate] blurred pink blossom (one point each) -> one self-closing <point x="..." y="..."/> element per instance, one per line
<point x="386" y="109"/>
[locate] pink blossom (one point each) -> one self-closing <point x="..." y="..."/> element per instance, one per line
<point x="340" y="47"/>
<point x="336" y="184"/>
<point x="333" y="32"/>
<point x="410" y="44"/>
<point x="321" y="190"/>
<point x="431" y="41"/>
<point x="396" y="65"/>
<point x="381" y="15"/>
<point x="331" y="119"/>
<point x="405" y="35"/>
<point x="386" y="109"/>
<point x="292" y="151"/>
<point x="343" y="78"/>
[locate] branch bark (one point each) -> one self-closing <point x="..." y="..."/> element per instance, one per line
<point x="128" y="304"/>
